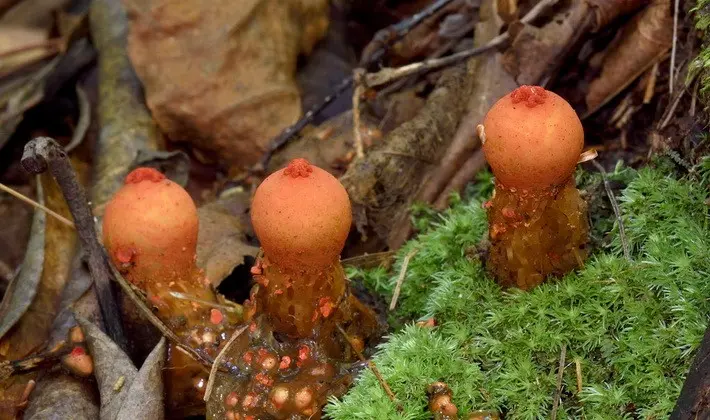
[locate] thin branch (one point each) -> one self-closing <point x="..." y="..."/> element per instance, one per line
<point x="617" y="210"/>
<point x="37" y="205"/>
<point x="218" y="361"/>
<point x="52" y="45"/>
<point x="578" y="371"/>
<point x="400" y="278"/>
<point x="42" y="154"/>
<point x="296" y="128"/>
<point x="560" y="375"/>
<point x="384" y="38"/>
<point x="374" y="369"/>
<point x="388" y="74"/>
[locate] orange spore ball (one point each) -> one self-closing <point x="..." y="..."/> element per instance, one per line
<point x="150" y="228"/>
<point x="533" y="139"/>
<point x="301" y="215"/>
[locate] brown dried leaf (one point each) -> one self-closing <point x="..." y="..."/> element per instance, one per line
<point x="30" y="333"/>
<point x="221" y="244"/>
<point x="60" y="396"/>
<point x="126" y="392"/>
<point x="23" y="287"/>
<point x="244" y="91"/>
<point x="644" y="40"/>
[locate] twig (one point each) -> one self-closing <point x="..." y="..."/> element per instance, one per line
<point x="415" y="68"/>
<point x="671" y="73"/>
<point x="359" y="90"/>
<point x="388" y="74"/>
<point x="35" y="204"/>
<point x="400" y="278"/>
<point x="578" y="371"/>
<point x="218" y="361"/>
<point x="296" y="128"/>
<point x="42" y="154"/>
<point x="374" y="369"/>
<point x="384" y="38"/>
<point x="82" y="126"/>
<point x="617" y="210"/>
<point x="560" y="375"/>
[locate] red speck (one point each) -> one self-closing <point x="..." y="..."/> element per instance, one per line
<point x="216" y="316"/>
<point x="279" y="292"/>
<point x="250" y="417"/>
<point x="315" y="316"/>
<point x="298" y="167"/>
<point x="325" y="304"/>
<point x="263" y="379"/>
<point x="249" y="400"/>
<point x="125" y="255"/>
<point x="285" y="362"/>
<point x="252" y="327"/>
<point x="303" y="352"/>
<point x="488" y="204"/>
<point x="248" y="357"/>
<point x="78" y="351"/>
<point x="231" y="399"/>
<point x="262" y="352"/>
<point x="508" y="212"/>
<point x="256" y="270"/>
<point x="144" y="174"/>
<point x="531" y="95"/>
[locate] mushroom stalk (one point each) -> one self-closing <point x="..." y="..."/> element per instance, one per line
<point x="537" y="219"/>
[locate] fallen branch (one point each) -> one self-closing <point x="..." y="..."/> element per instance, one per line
<point x="42" y="154"/>
<point x="617" y="210"/>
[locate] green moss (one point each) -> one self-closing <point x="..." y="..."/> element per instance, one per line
<point x="631" y="325"/>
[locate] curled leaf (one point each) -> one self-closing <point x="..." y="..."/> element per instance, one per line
<point x="59" y="396"/>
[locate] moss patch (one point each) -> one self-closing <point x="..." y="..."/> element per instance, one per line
<point x="632" y="326"/>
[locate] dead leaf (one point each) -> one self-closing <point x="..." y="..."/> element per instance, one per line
<point x="221" y="244"/>
<point x="644" y="40"/>
<point x="14" y="232"/>
<point x="145" y="395"/>
<point x="126" y="126"/>
<point x="23" y="287"/>
<point x="60" y="396"/>
<point x="126" y="393"/>
<point x="29" y="334"/>
<point x="244" y="92"/>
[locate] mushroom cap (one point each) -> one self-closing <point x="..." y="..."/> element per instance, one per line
<point x="301" y="215"/>
<point x="151" y="226"/>
<point x="533" y="139"/>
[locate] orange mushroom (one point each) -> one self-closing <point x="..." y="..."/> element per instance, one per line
<point x="150" y="230"/>
<point x="532" y="139"/>
<point x="301" y="215"/>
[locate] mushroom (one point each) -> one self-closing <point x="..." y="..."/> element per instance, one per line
<point x="532" y="139"/>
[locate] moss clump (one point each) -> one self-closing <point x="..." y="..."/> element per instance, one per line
<point x="632" y="326"/>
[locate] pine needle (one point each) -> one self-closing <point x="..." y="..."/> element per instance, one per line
<point x="37" y="205"/>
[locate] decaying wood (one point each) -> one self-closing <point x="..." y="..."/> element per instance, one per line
<point x="383" y="184"/>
